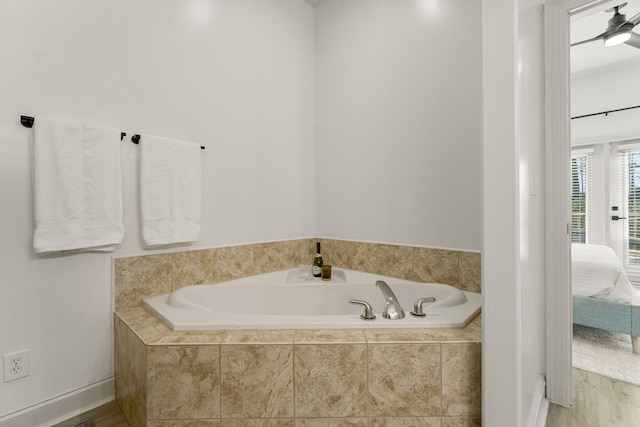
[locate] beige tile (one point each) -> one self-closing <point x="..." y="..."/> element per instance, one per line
<point x="338" y="253"/>
<point x="405" y="422"/>
<point x="471" y="333"/>
<point x="137" y="381"/>
<point x="259" y="336"/>
<point x="325" y="336"/>
<point x="405" y="336"/>
<point x="330" y="380"/>
<point x="461" y="379"/>
<point x="389" y="260"/>
<point x="136" y="316"/>
<point x="470" y="265"/>
<point x="122" y="367"/>
<point x="294" y="253"/>
<point x="184" y="382"/>
<point x="437" y="266"/>
<point x="257" y="381"/>
<point x="332" y="422"/>
<point x="194" y="267"/>
<point x="190" y="338"/>
<point x="464" y="422"/>
<point x="258" y="423"/>
<point x="475" y="327"/>
<point x="138" y="418"/>
<point x="272" y="256"/>
<point x="121" y="350"/>
<point x="138" y="277"/>
<point x="303" y="251"/>
<point x="144" y="324"/>
<point x="436" y="335"/>
<point x="404" y="380"/>
<point x="187" y="423"/>
<point x="235" y="262"/>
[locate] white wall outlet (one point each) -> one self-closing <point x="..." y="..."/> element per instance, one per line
<point x="16" y="365"/>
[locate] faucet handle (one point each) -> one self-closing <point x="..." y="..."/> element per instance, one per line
<point x="417" y="307"/>
<point x="368" y="311"/>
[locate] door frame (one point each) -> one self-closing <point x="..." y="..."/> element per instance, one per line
<point x="558" y="298"/>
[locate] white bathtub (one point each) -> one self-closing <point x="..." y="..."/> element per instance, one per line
<point x="283" y="300"/>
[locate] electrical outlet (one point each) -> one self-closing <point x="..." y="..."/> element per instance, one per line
<point x="16" y="365"/>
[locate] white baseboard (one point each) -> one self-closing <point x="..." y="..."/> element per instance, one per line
<point x="63" y="407"/>
<point x="540" y="408"/>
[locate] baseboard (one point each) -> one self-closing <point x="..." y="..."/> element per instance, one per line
<point x="540" y="407"/>
<point x="63" y="407"/>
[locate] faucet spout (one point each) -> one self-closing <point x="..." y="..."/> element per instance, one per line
<point x="393" y="309"/>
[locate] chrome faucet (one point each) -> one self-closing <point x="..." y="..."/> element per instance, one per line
<point x="393" y="309"/>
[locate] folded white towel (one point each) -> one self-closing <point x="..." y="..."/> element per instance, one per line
<point x="77" y="187"/>
<point x="170" y="190"/>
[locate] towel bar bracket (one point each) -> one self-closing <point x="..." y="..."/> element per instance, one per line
<point x="26" y="121"/>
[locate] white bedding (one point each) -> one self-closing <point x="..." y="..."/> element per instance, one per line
<point x="598" y="273"/>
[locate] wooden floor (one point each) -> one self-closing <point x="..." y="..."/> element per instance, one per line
<point x="108" y="415"/>
<point x="598" y="402"/>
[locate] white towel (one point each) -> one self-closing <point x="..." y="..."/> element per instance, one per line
<point x="77" y="187"/>
<point x="170" y="190"/>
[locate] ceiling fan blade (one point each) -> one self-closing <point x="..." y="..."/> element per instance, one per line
<point x="589" y="40"/>
<point x="635" y="20"/>
<point x="634" y="40"/>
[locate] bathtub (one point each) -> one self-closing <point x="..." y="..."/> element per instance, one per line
<point x="288" y="299"/>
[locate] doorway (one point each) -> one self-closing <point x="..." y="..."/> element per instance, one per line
<point x="558" y="297"/>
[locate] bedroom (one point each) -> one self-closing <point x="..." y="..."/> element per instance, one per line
<point x="605" y="155"/>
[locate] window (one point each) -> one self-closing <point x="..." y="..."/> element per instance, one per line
<point x="631" y="198"/>
<point x="581" y="196"/>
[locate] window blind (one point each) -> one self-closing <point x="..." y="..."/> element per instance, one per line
<point x="630" y="184"/>
<point x="581" y="195"/>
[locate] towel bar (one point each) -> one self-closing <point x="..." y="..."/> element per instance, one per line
<point x="27" y="121"/>
<point x="136" y="140"/>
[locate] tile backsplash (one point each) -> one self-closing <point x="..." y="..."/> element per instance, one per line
<point x="140" y="276"/>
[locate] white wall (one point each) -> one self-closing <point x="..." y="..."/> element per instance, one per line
<point x="235" y="76"/>
<point x="399" y="121"/>
<point x="606" y="89"/>
<point x="238" y="77"/>
<point x="501" y="321"/>
<point x="513" y="215"/>
<point x="532" y="205"/>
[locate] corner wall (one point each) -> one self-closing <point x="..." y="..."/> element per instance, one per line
<point x="234" y="76"/>
<point x="399" y="108"/>
<point x="240" y="78"/>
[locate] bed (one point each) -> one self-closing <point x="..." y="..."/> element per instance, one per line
<point x="603" y="297"/>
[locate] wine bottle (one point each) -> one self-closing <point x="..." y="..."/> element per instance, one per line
<point x="317" y="262"/>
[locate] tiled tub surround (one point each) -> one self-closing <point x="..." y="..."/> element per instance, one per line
<point x="137" y="277"/>
<point x="302" y="378"/>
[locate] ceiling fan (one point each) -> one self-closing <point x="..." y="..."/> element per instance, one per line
<point x="619" y="30"/>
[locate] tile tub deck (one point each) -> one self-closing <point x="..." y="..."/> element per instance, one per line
<point x="297" y="378"/>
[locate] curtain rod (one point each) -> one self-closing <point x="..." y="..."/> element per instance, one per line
<point x="605" y="112"/>
<point x="27" y="121"/>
